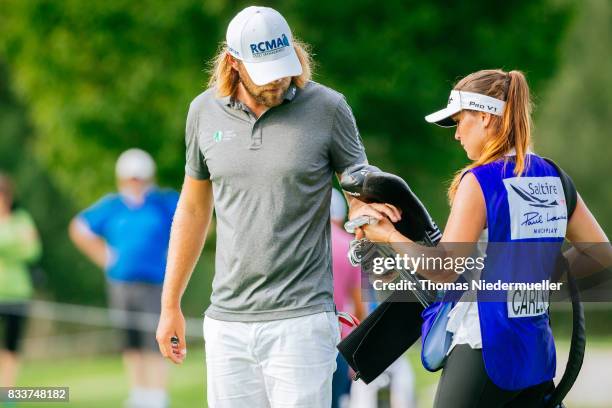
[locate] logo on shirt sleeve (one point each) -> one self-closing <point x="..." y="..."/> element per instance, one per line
<point x="537" y="207"/>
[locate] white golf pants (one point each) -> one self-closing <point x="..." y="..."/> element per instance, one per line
<point x="279" y="363"/>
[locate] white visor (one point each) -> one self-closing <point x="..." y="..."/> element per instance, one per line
<point x="459" y="100"/>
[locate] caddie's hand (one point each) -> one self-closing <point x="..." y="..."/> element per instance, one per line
<point x="376" y="211"/>
<point x="172" y="324"/>
<point x="382" y="231"/>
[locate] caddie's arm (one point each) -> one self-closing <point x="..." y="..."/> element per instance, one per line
<point x="465" y="223"/>
<point x="189" y="229"/>
<point x="591" y="251"/>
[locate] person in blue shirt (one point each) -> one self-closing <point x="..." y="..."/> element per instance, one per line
<point x="500" y="356"/>
<point x="126" y="234"/>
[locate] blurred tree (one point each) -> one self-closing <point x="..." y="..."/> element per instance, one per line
<point x="102" y="76"/>
<point x="573" y="126"/>
<point x="397" y="61"/>
<point x="67" y="276"/>
<point x="98" y="77"/>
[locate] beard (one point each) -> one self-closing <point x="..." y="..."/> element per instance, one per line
<point x="269" y="95"/>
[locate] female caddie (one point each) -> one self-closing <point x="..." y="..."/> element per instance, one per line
<point x="507" y="194"/>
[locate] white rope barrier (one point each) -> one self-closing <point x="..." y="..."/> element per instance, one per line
<point x="98" y="316"/>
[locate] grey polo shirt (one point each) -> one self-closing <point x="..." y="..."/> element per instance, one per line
<point x="271" y="179"/>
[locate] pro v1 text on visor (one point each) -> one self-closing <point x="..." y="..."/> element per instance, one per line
<point x="459" y="100"/>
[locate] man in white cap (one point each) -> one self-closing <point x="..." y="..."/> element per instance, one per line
<point x="263" y="143"/>
<point x="127" y="235"/>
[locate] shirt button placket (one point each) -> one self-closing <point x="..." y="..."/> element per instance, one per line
<point x="256" y="137"/>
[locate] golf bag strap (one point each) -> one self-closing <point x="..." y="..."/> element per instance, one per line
<point x="578" y="341"/>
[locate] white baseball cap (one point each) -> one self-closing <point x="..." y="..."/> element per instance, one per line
<point x="459" y="100"/>
<point x="135" y="163"/>
<point x="260" y="37"/>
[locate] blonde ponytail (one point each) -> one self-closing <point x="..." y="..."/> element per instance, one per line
<point x="512" y="130"/>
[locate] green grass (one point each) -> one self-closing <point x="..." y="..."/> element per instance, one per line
<point x="425" y="382"/>
<point x="100" y="382"/>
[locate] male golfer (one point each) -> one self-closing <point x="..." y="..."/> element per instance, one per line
<point x="263" y="143"/>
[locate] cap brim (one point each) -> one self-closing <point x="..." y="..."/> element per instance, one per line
<point x="443" y="117"/>
<point x="262" y="73"/>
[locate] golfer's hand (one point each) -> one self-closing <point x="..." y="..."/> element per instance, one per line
<point x="172" y="323"/>
<point x="377" y="211"/>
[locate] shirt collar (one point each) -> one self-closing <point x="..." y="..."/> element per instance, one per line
<point x="233" y="103"/>
<point x="291" y="92"/>
<point x="512" y="152"/>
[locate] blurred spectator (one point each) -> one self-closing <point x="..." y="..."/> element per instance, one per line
<point x="393" y="388"/>
<point x="127" y="235"/>
<point x="398" y="379"/>
<point x="19" y="246"/>
<point x="347" y="285"/>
